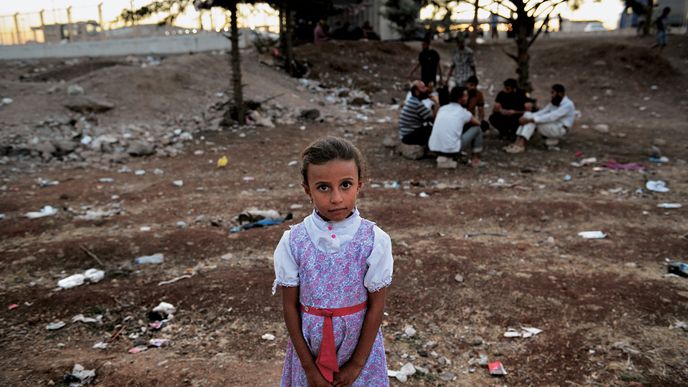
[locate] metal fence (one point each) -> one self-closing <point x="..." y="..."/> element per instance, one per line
<point x="101" y="21"/>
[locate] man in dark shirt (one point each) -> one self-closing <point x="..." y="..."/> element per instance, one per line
<point x="660" y="23"/>
<point x="429" y="63"/>
<point x="509" y="106"/>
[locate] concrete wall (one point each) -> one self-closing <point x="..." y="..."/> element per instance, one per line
<point x="178" y="44"/>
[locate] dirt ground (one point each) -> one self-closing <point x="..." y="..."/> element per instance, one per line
<point x="607" y="311"/>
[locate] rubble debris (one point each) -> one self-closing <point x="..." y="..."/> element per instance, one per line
<point x="165" y="309"/>
<point x="261" y="223"/>
<point x="98" y="319"/>
<point x="670" y="205"/>
<point x="524" y="332"/>
<point x="87" y="104"/>
<point x="75" y="89"/>
<point x="496" y="368"/>
<point x="402" y="375"/>
<point x="268" y="337"/>
<point x="222" y="162"/>
<point x="309" y="114"/>
<point x="158" y="343"/>
<point x="141" y="148"/>
<point x="678" y="268"/>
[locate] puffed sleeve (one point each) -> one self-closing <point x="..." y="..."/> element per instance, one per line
<point x="380" y="263"/>
<point x="286" y="268"/>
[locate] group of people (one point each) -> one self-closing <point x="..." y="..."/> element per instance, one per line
<point x="450" y="120"/>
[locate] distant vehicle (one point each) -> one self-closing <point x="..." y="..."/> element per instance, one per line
<point x="594" y="27"/>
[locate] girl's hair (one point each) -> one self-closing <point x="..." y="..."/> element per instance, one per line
<point x="331" y="148"/>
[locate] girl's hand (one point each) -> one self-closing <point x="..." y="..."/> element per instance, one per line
<point x="316" y="379"/>
<point x="347" y="375"/>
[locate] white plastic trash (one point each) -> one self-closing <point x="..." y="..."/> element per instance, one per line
<point x="94" y="275"/>
<point x="268" y="337"/>
<point x="72" y="281"/>
<point x="150" y="259"/>
<point x="45" y="211"/>
<point x="669" y="205"/>
<point x="657" y="186"/>
<point x="592" y="234"/>
<point x="165" y="308"/>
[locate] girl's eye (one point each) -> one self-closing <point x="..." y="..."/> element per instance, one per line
<point x="322" y="188"/>
<point x="347" y="184"/>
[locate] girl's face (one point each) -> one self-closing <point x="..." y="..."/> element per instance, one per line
<point x="333" y="187"/>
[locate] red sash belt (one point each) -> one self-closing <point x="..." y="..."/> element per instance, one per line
<point x="327" y="354"/>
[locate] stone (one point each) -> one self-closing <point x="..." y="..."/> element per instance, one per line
<point x="447" y="376"/>
<point x="140" y="148"/>
<point x="602" y="128"/>
<point x="84" y="104"/>
<point x="458" y="278"/>
<point x="75" y="89"/>
<point x="411" y="152"/>
<point x="64" y="145"/>
<point x="390" y="142"/>
<point x="309" y="114"/>
<point x="446" y="163"/>
<point x="45" y="147"/>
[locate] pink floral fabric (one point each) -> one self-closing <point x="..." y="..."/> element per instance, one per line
<point x="334" y="280"/>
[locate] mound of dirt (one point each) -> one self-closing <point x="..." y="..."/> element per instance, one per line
<point x="634" y="62"/>
<point x="369" y="66"/>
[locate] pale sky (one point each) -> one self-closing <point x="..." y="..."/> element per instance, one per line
<point x="607" y="11"/>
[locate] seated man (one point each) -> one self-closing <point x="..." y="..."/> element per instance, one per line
<point x="552" y="122"/>
<point x="476" y="101"/>
<point x="509" y="106"/>
<point x="415" y="121"/>
<point x="448" y="137"/>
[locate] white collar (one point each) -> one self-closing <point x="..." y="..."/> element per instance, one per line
<point x="324" y="225"/>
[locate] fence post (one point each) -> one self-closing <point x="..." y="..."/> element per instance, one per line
<point x="101" y="21"/>
<point x="200" y="20"/>
<point x="16" y="28"/>
<point x="69" y="23"/>
<point x="41" y="14"/>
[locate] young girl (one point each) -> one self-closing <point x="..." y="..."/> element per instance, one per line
<point x="333" y="269"/>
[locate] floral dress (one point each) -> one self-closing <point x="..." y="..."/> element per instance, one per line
<point x="335" y="277"/>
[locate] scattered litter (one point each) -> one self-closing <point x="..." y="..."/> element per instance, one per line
<point x="391" y="185"/>
<point x="158" y="343"/>
<point x="80" y="375"/>
<point x="409" y="331"/>
<point x="94" y="275"/>
<point x="680" y="325"/>
<point x="13" y="306"/>
<point x="178" y="183"/>
<point x="138" y="349"/>
<point x="659" y="159"/>
<point x="583" y="162"/>
<point x="592" y="234"/>
<point x="524" y="332"/>
<point x="496" y="368"/>
<point x="46" y="182"/>
<point x="139" y="172"/>
<point x="458" y="278"/>
<point x="72" y="281"/>
<point x="45" y="211"/>
<point x="2" y="216"/>
<point x="53" y="326"/>
<point x="222" y="162"/>
<point x="657" y="186"/>
<point x="100" y="345"/>
<point x="501" y="183"/>
<point x="6" y="101"/>
<point x="260" y="223"/>
<point x="567" y="178"/>
<point x="106" y="180"/>
<point x="669" y="205"/>
<point x="165" y="309"/>
<point x="98" y="319"/>
<point x="144" y="228"/>
<point x="268" y="337"/>
<point x="614" y="165"/>
<point x="292" y="163"/>
<point x="402" y="375"/>
<point x="85" y="140"/>
<point x="150" y="259"/>
<point x="424" y="195"/>
<point x="173" y="280"/>
<point x="158" y="172"/>
<point x="678" y="268"/>
<point x="182" y="224"/>
<point x="626" y="348"/>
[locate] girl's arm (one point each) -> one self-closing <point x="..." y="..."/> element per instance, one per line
<point x="371" y="324"/>
<point x="292" y="317"/>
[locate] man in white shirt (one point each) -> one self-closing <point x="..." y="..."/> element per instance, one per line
<point x="553" y="122"/>
<point x="448" y="137"/>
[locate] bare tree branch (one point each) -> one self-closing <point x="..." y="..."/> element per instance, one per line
<point x="510" y="55"/>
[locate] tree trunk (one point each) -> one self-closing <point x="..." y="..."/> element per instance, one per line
<point x="236" y="66"/>
<point x="522" y="56"/>
<point x="474" y="33"/>
<point x="648" y="18"/>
